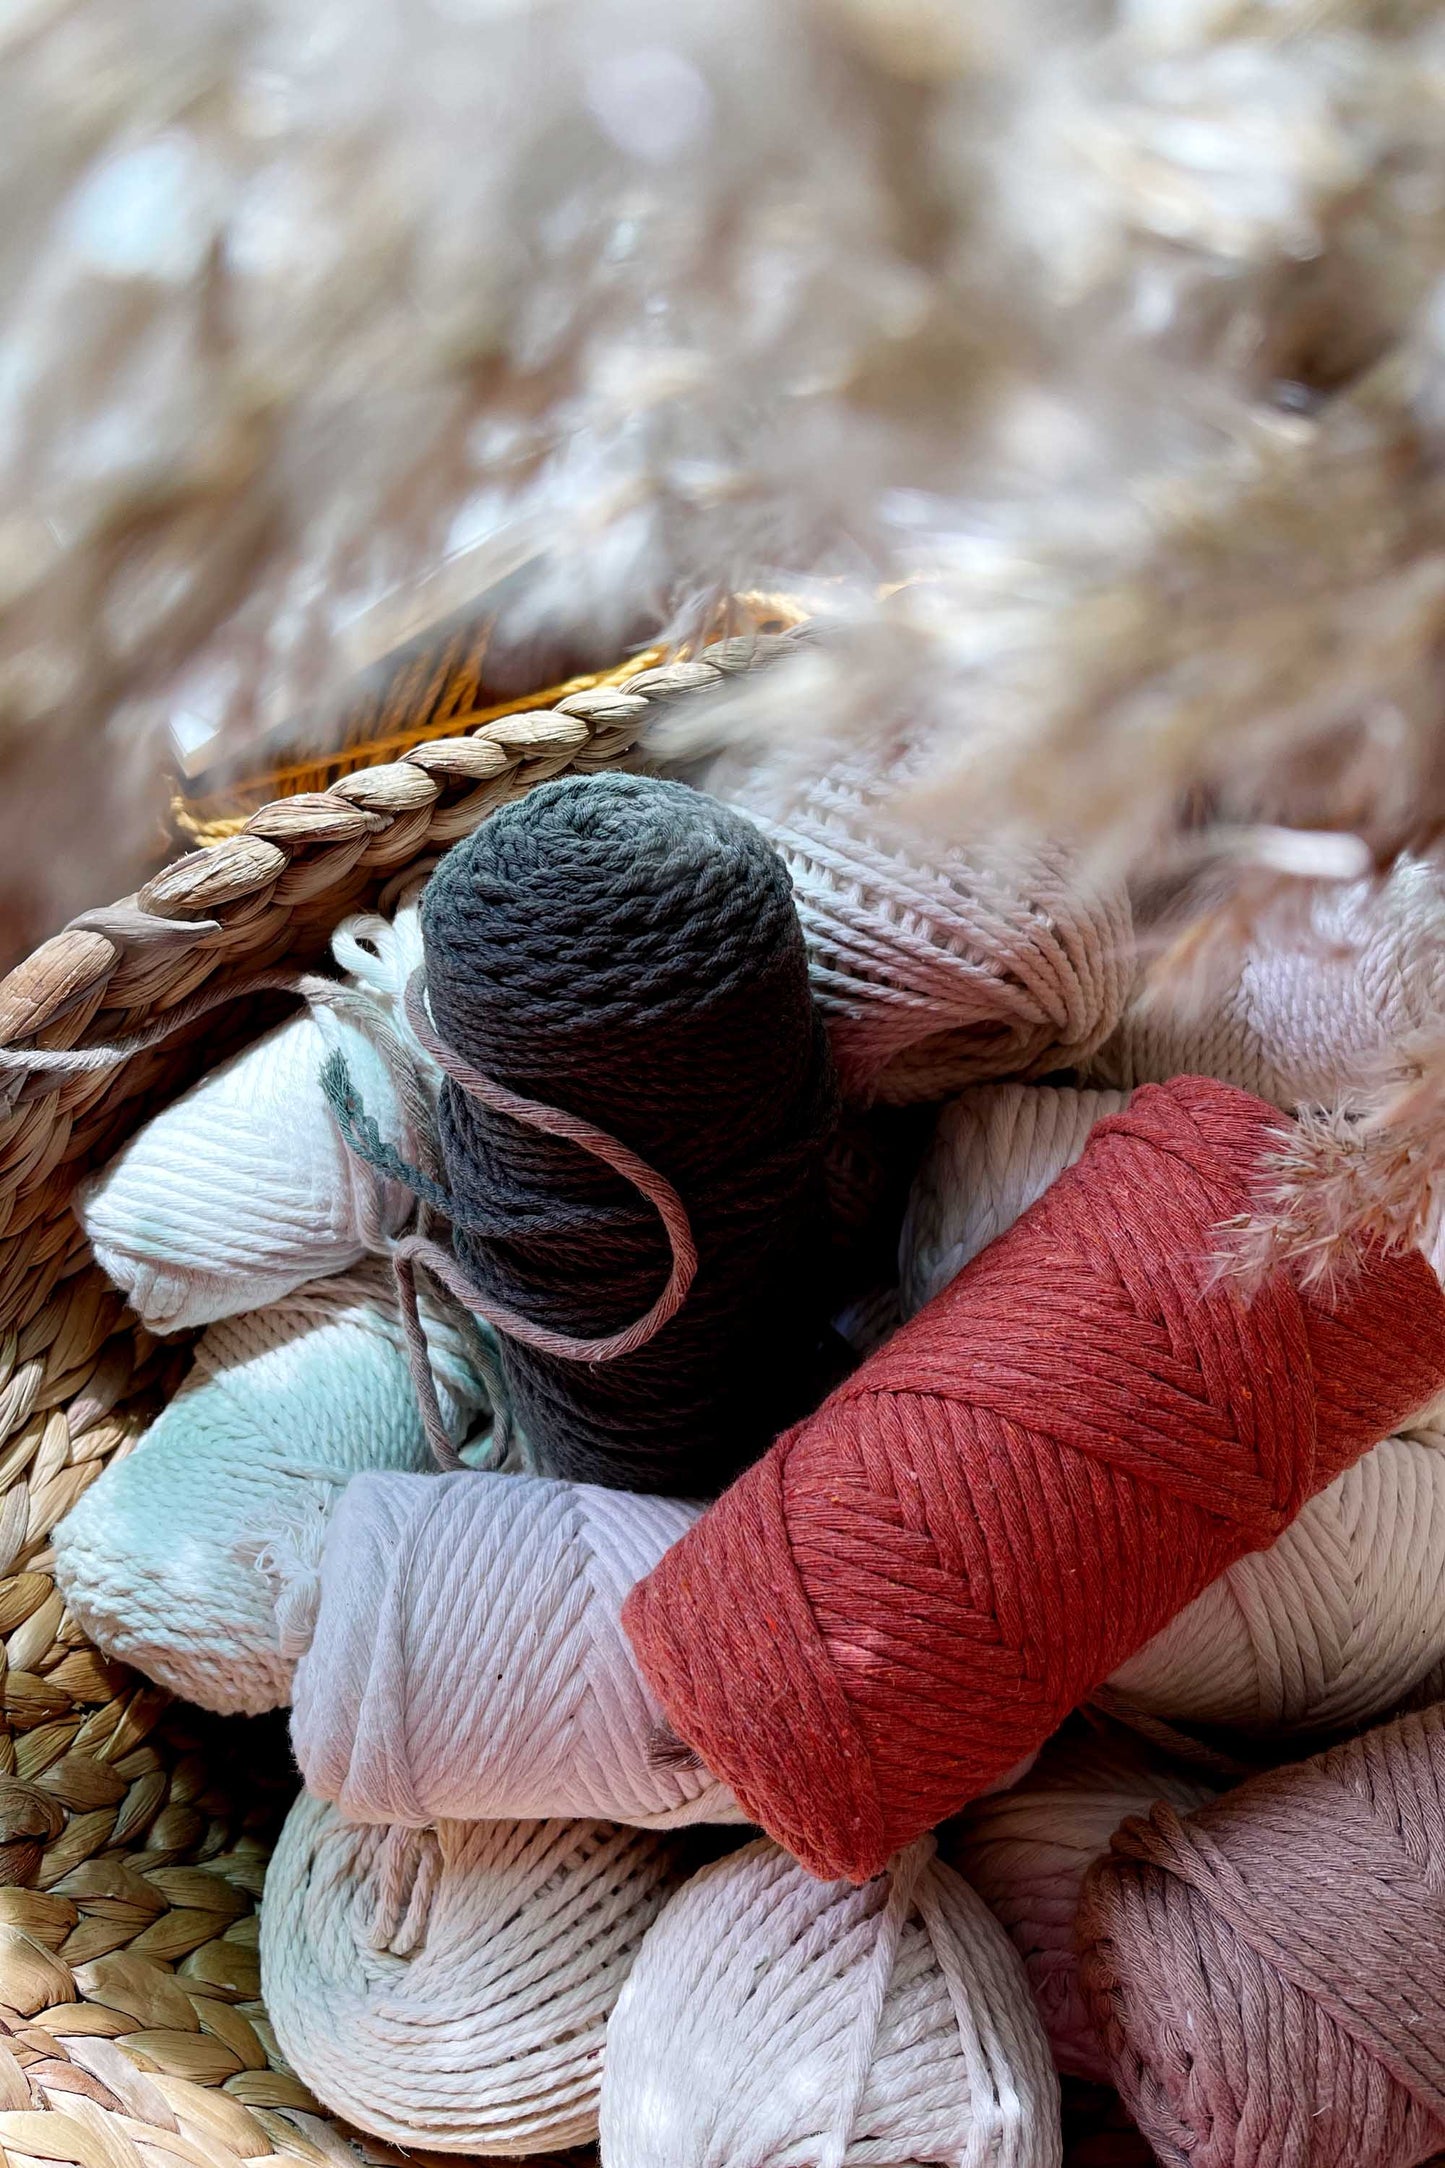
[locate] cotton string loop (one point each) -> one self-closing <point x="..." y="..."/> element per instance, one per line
<point x="468" y="1658"/>
<point x="411" y="1253"/>
<point x="450" y="1987"/>
<point x="1264" y="1974"/>
<point x="772" y="2021"/>
<point x="907" y="1595"/>
<point x="627" y="950"/>
<point x="555" y="1122"/>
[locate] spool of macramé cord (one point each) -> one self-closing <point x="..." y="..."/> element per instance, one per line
<point x="904" y="1598"/>
<point x="185" y="1557"/>
<point x="1338" y="1624"/>
<point x="1339" y="1621"/>
<point x="1027" y="1850"/>
<point x="449" y="1987"/>
<point x="467" y="1659"/>
<point x="774" y="2021"/>
<point x="939" y="963"/>
<point x="1264" y="1974"/>
<point x="241" y="1190"/>
<point x="637" y="1106"/>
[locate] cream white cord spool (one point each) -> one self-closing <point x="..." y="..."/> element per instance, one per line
<point x="937" y="966"/>
<point x="450" y="1987"/>
<point x="1026" y="1851"/>
<point x="774" y="2021"/>
<point x="994" y="1152"/>
<point x="1334" y="1626"/>
<point x="242" y="1189"/>
<point x="194" y="1557"/>
<point x="468" y="1657"/>
<point x="1312" y="1001"/>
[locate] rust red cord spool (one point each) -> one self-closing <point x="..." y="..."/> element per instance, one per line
<point x="908" y="1593"/>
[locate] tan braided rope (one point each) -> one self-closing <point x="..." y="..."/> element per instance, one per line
<point x="131" y="2030"/>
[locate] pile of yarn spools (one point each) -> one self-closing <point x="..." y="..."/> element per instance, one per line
<point x="807" y="1598"/>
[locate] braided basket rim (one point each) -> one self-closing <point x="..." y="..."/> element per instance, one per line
<point x="131" y="2029"/>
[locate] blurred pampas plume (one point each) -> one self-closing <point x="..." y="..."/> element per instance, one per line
<point x="1328" y="998"/>
<point x="1082" y="369"/>
<point x="1346" y="1177"/>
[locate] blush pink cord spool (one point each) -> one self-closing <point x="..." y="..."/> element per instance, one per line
<point x="1264" y="1974"/>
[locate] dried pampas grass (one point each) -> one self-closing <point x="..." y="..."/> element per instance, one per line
<point x="1079" y="364"/>
<point x="1370" y="1170"/>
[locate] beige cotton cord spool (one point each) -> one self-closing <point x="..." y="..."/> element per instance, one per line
<point x="185" y="1557"/>
<point x="1336" y="1625"/>
<point x="449" y="1987"/>
<point x="1313" y="1001"/>
<point x="993" y="1153"/>
<point x="468" y="1660"/>
<point x="937" y="965"/>
<point x="1341" y="1619"/>
<point x="775" y="2021"/>
<point x="1026" y="1851"/>
<point x="242" y="1189"/>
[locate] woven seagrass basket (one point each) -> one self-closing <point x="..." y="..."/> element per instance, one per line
<point x="134" y="1834"/>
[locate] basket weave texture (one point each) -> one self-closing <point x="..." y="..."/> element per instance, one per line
<point x="134" y="1835"/>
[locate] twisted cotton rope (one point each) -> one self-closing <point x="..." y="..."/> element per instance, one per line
<point x="1312" y="1002"/>
<point x="1026" y="1852"/>
<point x="937" y="966"/>
<point x="994" y="1151"/>
<point x="1337" y="1622"/>
<point x="637" y="1103"/>
<point x="1265" y="1974"/>
<point x="772" y="2021"/>
<point x="242" y="1189"/>
<point x="1333" y="1626"/>
<point x="907" y="1595"/>
<point x="468" y="1658"/>
<point x="450" y="1987"/>
<point x="173" y="1559"/>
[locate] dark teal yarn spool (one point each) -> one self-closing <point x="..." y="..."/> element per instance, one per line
<point x="627" y="950"/>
